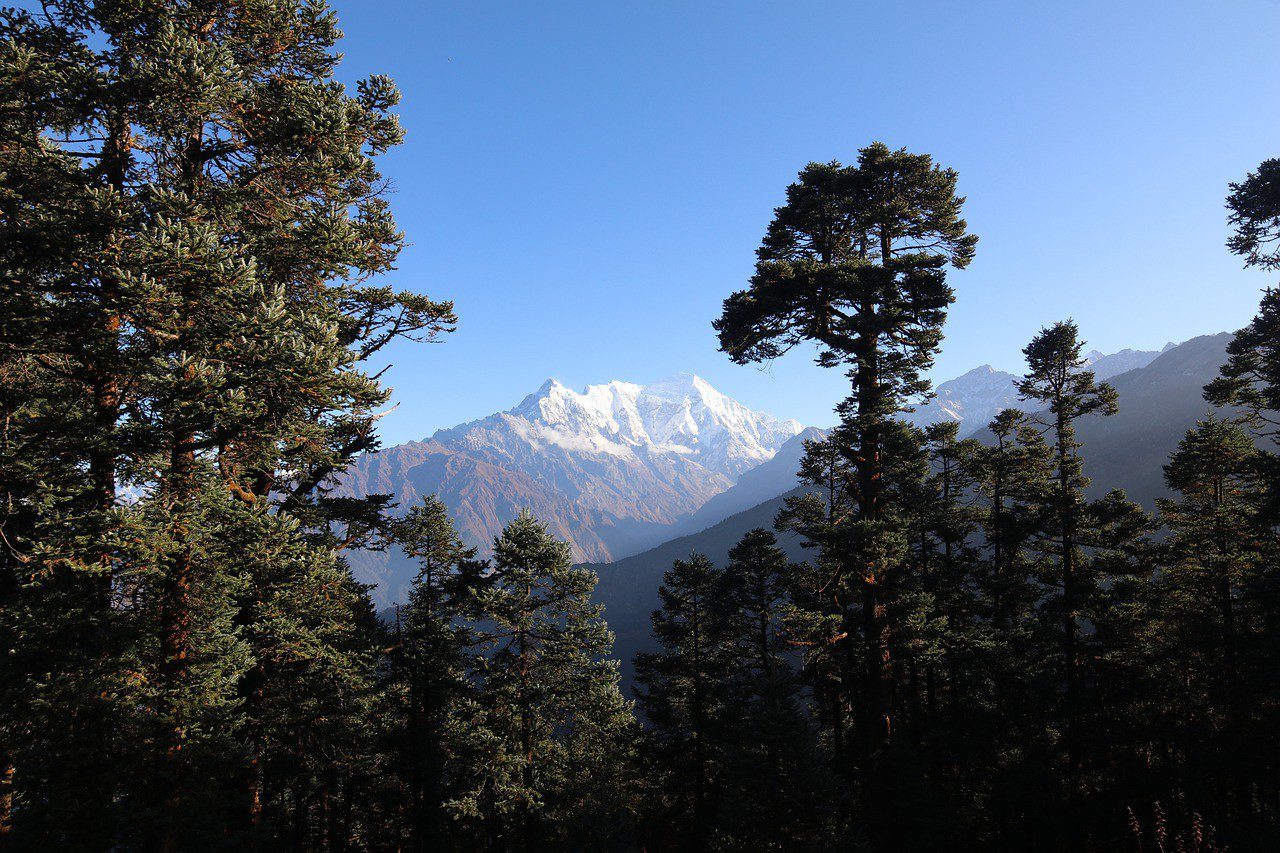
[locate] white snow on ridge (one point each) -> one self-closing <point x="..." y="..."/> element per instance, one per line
<point x="974" y="398"/>
<point x="682" y="414"/>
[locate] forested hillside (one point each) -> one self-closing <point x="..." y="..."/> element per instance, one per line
<point x="1158" y="404"/>
<point x="1061" y="635"/>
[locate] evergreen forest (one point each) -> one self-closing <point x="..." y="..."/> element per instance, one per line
<point x="194" y="237"/>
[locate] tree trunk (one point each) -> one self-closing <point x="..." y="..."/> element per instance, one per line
<point x="6" y="797"/>
<point x="1069" y="626"/>
<point x="878" y="669"/>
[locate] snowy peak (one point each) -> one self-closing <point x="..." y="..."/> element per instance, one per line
<point x="972" y="399"/>
<point x="614" y="463"/>
<point x="681" y="414"/>
<point x="598" y="409"/>
<point x="1106" y="366"/>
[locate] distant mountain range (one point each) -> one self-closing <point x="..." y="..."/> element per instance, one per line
<point x="1160" y="399"/>
<point x="613" y="469"/>
<point x="974" y="398"/>
<point x="619" y="468"/>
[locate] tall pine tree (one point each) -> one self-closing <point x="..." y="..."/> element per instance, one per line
<point x="427" y="678"/>
<point x="683" y="690"/>
<point x="547" y="735"/>
<point x="855" y="262"/>
<point x="192" y="218"/>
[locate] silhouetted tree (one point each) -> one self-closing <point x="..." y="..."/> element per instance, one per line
<point x="854" y="262"/>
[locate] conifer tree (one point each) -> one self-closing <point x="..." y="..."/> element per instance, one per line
<point x="1208" y="609"/>
<point x="547" y="735"/>
<point x="942" y="587"/>
<point x="1056" y="379"/>
<point x="1009" y="478"/>
<point x="1250" y="380"/>
<point x="854" y="262"/>
<point x="682" y="691"/>
<point x="778" y="793"/>
<point x="1251" y="376"/>
<point x="427" y="680"/>
<point x="192" y="217"/>
<point x="815" y="618"/>
<point x="1087" y="541"/>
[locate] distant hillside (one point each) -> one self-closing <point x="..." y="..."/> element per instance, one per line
<point x="629" y="588"/>
<point x="1158" y="404"/>
<point x="974" y="398"/>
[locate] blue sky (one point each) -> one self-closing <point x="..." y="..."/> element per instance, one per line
<point x="589" y="180"/>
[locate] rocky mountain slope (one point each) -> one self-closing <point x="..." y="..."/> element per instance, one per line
<point x="611" y="469"/>
<point x="618" y="468"/>
<point x="972" y="399"/>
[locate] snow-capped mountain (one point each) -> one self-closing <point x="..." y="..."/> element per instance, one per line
<point x="609" y="468"/>
<point x="680" y="415"/>
<point x="1106" y="366"/>
<point x="974" y="398"/>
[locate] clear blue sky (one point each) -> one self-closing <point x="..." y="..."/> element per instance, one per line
<point x="589" y="180"/>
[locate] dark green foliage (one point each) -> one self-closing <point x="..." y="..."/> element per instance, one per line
<point x="974" y="656"/>
<point x="855" y="262"/>
<point x="778" y="792"/>
<point x="734" y="758"/>
<point x="426" y="680"/>
<point x="190" y="214"/>
<point x="547" y="735"/>
<point x="684" y="692"/>
<point x="1251" y="377"/>
<point x="1210" y="612"/>
<point x="1255" y="214"/>
<point x="1078" y="540"/>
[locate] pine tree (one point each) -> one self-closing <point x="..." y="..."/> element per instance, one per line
<point x="682" y="689"/>
<point x="1207" y="608"/>
<point x="855" y="262"/>
<point x="1251" y="376"/>
<point x="1009" y="476"/>
<point x="193" y="215"/>
<point x="1057" y="380"/>
<point x="943" y="557"/>
<point x="427" y="679"/>
<point x="817" y="614"/>
<point x="946" y="644"/>
<point x="546" y="737"/>
<point x="1090" y="543"/>
<point x="778" y="793"/>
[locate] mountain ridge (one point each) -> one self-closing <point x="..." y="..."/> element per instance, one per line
<point x="611" y="468"/>
<point x="1159" y="402"/>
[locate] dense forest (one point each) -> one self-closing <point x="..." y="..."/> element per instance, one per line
<point x="976" y="656"/>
